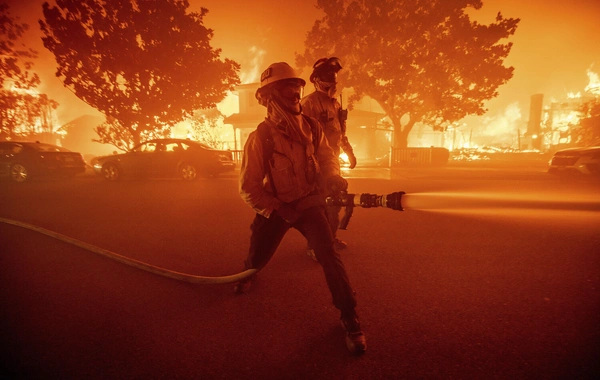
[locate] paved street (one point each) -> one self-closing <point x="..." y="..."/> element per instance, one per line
<point x="490" y="273"/>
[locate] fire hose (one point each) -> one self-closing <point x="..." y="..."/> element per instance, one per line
<point x="132" y="262"/>
<point x="349" y="201"/>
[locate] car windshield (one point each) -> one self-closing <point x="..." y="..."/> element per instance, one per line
<point x="157" y="146"/>
<point x="9" y="148"/>
<point x="169" y="146"/>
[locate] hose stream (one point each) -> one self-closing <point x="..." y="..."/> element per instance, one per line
<point x="132" y="262"/>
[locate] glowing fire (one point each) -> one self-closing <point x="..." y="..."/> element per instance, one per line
<point x="230" y="104"/>
<point x="47" y="123"/>
<point x="561" y="117"/>
<point x="593" y="86"/>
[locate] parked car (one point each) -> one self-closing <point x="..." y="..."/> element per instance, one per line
<point x="165" y="158"/>
<point x="22" y="161"/>
<point x="576" y="160"/>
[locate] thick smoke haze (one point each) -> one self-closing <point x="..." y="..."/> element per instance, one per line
<point x="555" y="47"/>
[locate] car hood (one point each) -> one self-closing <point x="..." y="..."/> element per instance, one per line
<point x="106" y="157"/>
<point x="578" y="150"/>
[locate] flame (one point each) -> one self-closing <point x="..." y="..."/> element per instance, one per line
<point x="507" y="122"/>
<point x="563" y="116"/>
<point x="19" y="90"/>
<point x="344" y="158"/>
<point x="594" y="83"/>
<point x="230" y="104"/>
<point x="35" y="126"/>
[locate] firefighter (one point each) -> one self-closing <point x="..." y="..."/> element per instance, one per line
<point x="323" y="106"/>
<point x="285" y="160"/>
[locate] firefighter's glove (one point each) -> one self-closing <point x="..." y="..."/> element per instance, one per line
<point x="349" y="152"/>
<point x="288" y="213"/>
<point x="352" y="159"/>
<point x="336" y="184"/>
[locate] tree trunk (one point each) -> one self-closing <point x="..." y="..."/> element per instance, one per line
<point x="401" y="134"/>
<point x="135" y="134"/>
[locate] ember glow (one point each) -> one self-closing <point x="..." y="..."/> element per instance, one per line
<point x="45" y="123"/>
<point x="562" y="116"/>
<point x="229" y="105"/>
<point x="593" y="86"/>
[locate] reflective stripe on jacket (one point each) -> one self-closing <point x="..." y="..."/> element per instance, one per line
<point x="288" y="169"/>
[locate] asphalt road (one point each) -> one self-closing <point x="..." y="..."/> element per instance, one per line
<point x="490" y="273"/>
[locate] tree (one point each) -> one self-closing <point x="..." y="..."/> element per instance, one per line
<point x="421" y="60"/>
<point x="26" y="114"/>
<point x="8" y="122"/>
<point x="205" y="127"/>
<point x="15" y="62"/>
<point x="145" y="64"/>
<point x="112" y="132"/>
<point x="23" y="111"/>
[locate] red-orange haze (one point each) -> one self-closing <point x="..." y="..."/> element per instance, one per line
<point x="554" y="46"/>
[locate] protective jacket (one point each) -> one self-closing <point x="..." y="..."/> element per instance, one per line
<point x="290" y="167"/>
<point x="327" y="111"/>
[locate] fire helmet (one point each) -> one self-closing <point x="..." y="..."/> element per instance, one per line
<point x="326" y="69"/>
<point x="276" y="72"/>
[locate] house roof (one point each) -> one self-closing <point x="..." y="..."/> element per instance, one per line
<point x="244" y="118"/>
<point x="356" y="113"/>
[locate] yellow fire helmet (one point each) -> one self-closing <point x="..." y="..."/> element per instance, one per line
<point x="274" y="73"/>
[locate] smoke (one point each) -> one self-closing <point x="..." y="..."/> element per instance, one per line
<point x="507" y="122"/>
<point x="250" y="73"/>
<point x="255" y="64"/>
<point x="230" y="104"/>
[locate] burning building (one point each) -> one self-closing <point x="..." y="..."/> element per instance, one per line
<point x="561" y="123"/>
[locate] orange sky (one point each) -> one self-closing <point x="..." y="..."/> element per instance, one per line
<point x="555" y="44"/>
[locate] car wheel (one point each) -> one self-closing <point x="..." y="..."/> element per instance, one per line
<point x="188" y="172"/>
<point x="18" y="173"/>
<point x="111" y="172"/>
<point x="594" y="168"/>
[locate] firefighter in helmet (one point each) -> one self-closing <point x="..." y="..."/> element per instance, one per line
<point x="286" y="160"/>
<point x="323" y="106"/>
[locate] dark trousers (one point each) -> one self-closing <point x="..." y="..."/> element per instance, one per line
<point x="333" y="216"/>
<point x="267" y="234"/>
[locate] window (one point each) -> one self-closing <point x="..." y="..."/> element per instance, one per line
<point x="172" y="147"/>
<point x="9" y="148"/>
<point x="147" y="147"/>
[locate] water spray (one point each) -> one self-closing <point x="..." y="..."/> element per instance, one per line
<point x="445" y="201"/>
